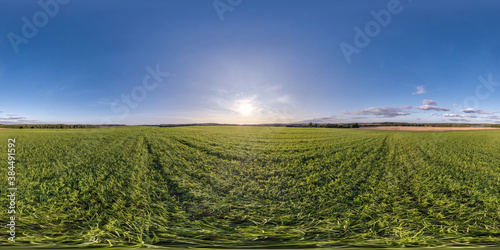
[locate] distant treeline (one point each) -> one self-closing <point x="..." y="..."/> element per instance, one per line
<point x="191" y="124"/>
<point x="346" y="125"/>
<point x="429" y="124"/>
<point x="325" y="125"/>
<point x="387" y="124"/>
<point x="54" y="126"/>
<point x="338" y="125"/>
<point x="221" y="124"/>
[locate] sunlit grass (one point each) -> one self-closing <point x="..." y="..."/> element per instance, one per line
<point x="255" y="187"/>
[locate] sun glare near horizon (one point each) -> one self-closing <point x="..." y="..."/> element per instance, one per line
<point x="245" y="109"/>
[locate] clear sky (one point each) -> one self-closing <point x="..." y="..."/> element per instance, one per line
<point x="249" y="61"/>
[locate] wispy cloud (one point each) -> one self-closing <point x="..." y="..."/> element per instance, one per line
<point x="284" y="99"/>
<point x="429" y="102"/>
<point x="272" y="88"/>
<point x="493" y="117"/>
<point x="475" y="111"/>
<point x="383" y="111"/>
<point x="420" y="90"/>
<point x="429" y="107"/>
<point x="457" y="115"/>
<point x="16" y="119"/>
<point x="328" y="119"/>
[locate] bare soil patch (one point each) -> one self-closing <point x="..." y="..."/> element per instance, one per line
<point x="409" y="128"/>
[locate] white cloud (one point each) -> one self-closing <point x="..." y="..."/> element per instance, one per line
<point x="420" y="90"/>
<point x="431" y="105"/>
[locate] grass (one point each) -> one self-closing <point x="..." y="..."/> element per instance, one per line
<point x="253" y="187"/>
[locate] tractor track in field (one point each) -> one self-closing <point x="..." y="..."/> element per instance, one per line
<point x="155" y="158"/>
<point x="173" y="187"/>
<point x="207" y="151"/>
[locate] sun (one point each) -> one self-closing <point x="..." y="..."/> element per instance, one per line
<point x="245" y="109"/>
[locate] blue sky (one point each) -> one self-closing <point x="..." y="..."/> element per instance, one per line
<point x="242" y="61"/>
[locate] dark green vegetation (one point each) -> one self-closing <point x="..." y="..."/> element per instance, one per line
<point x="254" y="186"/>
<point x="390" y="124"/>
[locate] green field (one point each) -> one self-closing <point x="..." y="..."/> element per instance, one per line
<point x="253" y="187"/>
